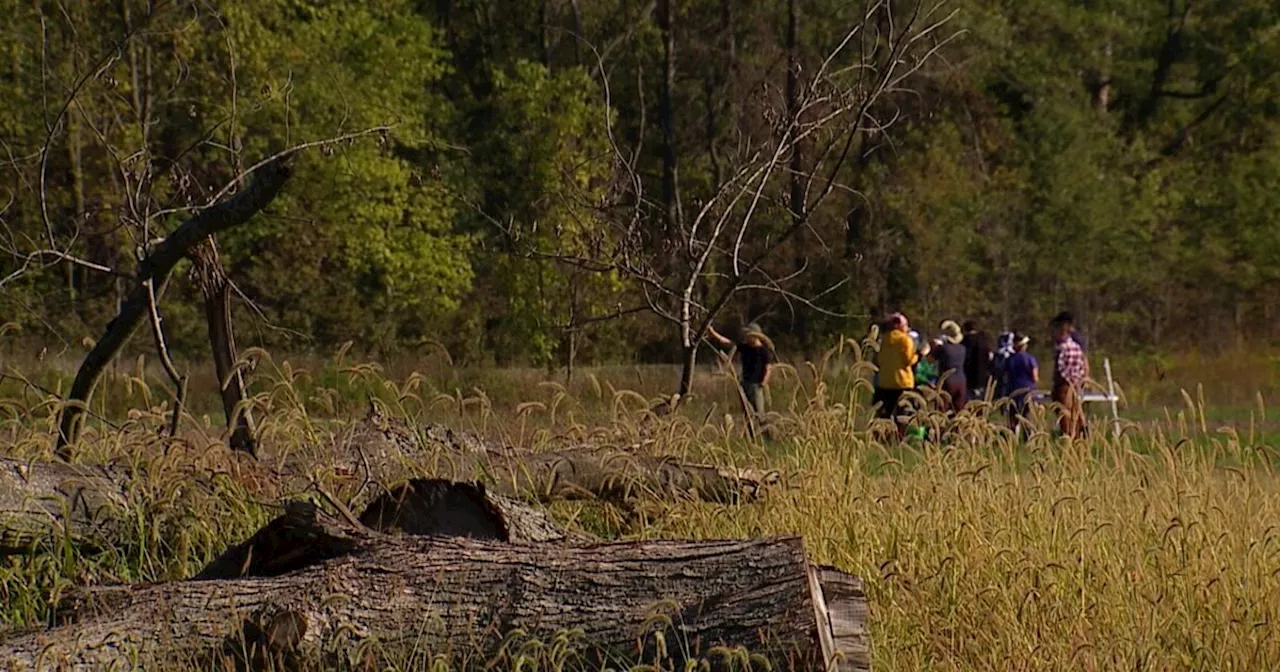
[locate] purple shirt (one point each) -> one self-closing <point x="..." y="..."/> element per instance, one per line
<point x="1020" y="370"/>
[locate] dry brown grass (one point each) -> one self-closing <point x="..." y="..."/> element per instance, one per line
<point x="1157" y="550"/>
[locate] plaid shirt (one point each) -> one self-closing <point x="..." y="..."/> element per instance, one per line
<point x="1068" y="365"/>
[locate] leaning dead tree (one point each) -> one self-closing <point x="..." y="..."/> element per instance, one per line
<point x="152" y="277"/>
<point x="114" y="190"/>
<point x="687" y="261"/>
<point x="321" y="588"/>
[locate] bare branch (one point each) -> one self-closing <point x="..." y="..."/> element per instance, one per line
<point x="155" y="270"/>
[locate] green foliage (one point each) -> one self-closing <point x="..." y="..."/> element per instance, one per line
<point x="542" y="162"/>
<point x="1114" y="157"/>
<point x="368" y="227"/>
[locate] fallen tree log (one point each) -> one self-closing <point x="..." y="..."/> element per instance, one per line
<point x="424" y="507"/>
<point x="304" y="535"/>
<point x="475" y="601"/>
<point x="379" y="446"/>
<point x="43" y="501"/>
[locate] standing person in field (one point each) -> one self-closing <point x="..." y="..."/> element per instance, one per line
<point x="894" y="365"/>
<point x="1068" y="379"/>
<point x="979" y="357"/>
<point x="756" y="357"/>
<point x="1022" y="374"/>
<point x="1067" y="318"/>
<point x="951" y="367"/>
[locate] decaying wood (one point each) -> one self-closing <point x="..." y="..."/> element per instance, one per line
<point x="379" y="446"/>
<point x="460" y="597"/>
<point x="58" y="500"/>
<point x="440" y="507"/>
<point x="305" y="535"/>
<point x="302" y="537"/>
<point x="154" y="271"/>
<point x="42" y="502"/>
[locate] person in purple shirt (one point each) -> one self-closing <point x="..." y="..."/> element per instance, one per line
<point x="1022" y="373"/>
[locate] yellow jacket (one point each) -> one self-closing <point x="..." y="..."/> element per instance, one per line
<point x="897" y="357"/>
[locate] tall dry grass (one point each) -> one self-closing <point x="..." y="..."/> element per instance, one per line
<point x="1158" y="549"/>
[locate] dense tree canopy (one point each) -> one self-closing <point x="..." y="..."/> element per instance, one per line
<point x="1117" y="157"/>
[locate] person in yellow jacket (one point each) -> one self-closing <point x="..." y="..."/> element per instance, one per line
<point x="895" y="362"/>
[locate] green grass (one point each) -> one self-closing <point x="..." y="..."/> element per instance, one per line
<point x="1154" y="550"/>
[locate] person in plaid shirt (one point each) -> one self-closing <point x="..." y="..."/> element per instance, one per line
<point x="1068" y="379"/>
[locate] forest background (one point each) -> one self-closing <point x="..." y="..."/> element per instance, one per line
<point x="529" y="165"/>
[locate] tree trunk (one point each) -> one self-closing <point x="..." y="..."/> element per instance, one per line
<point x="578" y="37"/>
<point x="797" y="200"/>
<point x="472" y="600"/>
<point x="670" y="197"/>
<point x="215" y="287"/>
<point x="688" y="366"/>
<point x="156" y="268"/>
<point x="304" y="535"/>
<point x="79" y="220"/>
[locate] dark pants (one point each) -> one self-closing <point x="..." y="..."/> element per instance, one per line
<point x="1019" y="410"/>
<point x="753" y="393"/>
<point x="887" y="403"/>
<point x="956" y="395"/>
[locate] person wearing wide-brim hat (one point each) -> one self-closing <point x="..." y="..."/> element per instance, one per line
<point x="951" y="358"/>
<point x="756" y="357"/>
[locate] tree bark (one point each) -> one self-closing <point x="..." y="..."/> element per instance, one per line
<point x="578" y="37"/>
<point x="215" y="288"/>
<point x="688" y="366"/>
<point x="795" y="180"/>
<point x="666" y="104"/>
<point x="52" y="501"/>
<point x="376" y="450"/>
<point x="471" y="600"/>
<point x="304" y="535"/>
<point x="156" y="268"/>
<point x="44" y="503"/>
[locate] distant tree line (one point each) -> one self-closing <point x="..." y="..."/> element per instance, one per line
<point x="551" y="181"/>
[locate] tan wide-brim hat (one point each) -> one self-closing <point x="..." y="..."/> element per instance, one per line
<point x="951" y="332"/>
<point x="754" y="329"/>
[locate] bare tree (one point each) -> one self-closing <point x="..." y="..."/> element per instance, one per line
<point x="727" y="245"/>
<point x="153" y="175"/>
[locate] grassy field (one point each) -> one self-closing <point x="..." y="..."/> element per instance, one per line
<point x="1158" y="549"/>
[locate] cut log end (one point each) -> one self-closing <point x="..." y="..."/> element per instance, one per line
<point x="840" y="606"/>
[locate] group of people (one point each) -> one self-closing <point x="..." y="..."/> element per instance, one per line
<point x="962" y="364"/>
